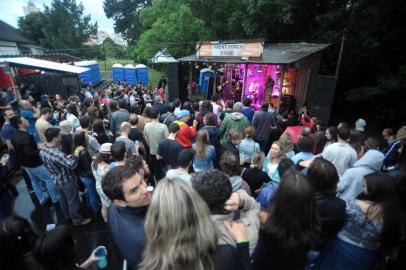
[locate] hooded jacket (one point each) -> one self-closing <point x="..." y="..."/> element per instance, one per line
<point x="235" y="120"/>
<point x="249" y="216"/>
<point x="350" y="185"/>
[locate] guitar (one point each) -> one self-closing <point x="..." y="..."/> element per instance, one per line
<point x="220" y="87"/>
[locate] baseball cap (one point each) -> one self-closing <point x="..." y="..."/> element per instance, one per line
<point x="182" y="113"/>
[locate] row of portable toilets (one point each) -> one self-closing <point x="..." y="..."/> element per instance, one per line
<point x="130" y="73"/>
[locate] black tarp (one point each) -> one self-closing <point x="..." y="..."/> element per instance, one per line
<point x="52" y="83"/>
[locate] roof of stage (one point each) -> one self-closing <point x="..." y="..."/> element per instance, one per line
<point x="277" y="53"/>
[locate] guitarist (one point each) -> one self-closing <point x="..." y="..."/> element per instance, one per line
<point x="254" y="90"/>
<point x="221" y="87"/>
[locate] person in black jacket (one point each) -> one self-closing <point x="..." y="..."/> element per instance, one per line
<point x="254" y="176"/>
<point x="234" y="140"/>
<point x="323" y="178"/>
<point x="17" y="241"/>
<point x="191" y="231"/>
<point x="27" y="156"/>
<point x="84" y="170"/>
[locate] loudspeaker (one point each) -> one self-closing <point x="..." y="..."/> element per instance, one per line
<point x="176" y="85"/>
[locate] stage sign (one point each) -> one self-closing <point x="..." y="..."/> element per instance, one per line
<point x="216" y="49"/>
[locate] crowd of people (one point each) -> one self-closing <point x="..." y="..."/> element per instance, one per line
<point x="200" y="184"/>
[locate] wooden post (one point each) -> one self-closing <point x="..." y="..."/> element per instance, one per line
<point x="244" y="86"/>
<point x="340" y="56"/>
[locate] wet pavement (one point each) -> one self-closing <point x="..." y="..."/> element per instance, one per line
<point x="87" y="237"/>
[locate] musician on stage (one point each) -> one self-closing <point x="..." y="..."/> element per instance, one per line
<point x="237" y="91"/>
<point x="254" y="90"/>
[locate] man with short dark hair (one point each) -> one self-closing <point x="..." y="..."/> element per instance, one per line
<point x="119" y="117"/>
<point x="247" y="110"/>
<point x="27" y="156"/>
<point x="128" y="192"/>
<point x="177" y="105"/>
<point x="214" y="187"/>
<point x="169" y="148"/>
<point x="61" y="167"/>
<point x="263" y="123"/>
<point x="185" y="160"/>
<point x="170" y="116"/>
<point x="341" y="154"/>
<point x="154" y="132"/>
<point x="42" y="123"/>
<point x="305" y="145"/>
<point x="94" y="145"/>
<point x="119" y="154"/>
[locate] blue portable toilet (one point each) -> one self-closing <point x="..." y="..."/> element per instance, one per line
<point x="204" y="78"/>
<point x="142" y="73"/>
<point x="92" y="75"/>
<point x="118" y="73"/>
<point x="130" y="74"/>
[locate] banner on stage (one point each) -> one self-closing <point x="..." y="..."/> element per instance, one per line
<point x="217" y="49"/>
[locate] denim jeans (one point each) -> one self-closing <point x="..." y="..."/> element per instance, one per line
<point x="38" y="174"/>
<point x="69" y="201"/>
<point x="92" y="197"/>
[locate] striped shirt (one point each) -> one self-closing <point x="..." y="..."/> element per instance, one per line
<point x="59" y="164"/>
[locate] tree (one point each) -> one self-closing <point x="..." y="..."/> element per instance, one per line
<point x="113" y="50"/>
<point x="32" y="25"/>
<point x="125" y="14"/>
<point x="65" y="26"/>
<point x="178" y="30"/>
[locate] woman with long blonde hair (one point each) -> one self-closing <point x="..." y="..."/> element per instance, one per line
<point x="181" y="235"/>
<point x="205" y="153"/>
<point x="275" y="154"/>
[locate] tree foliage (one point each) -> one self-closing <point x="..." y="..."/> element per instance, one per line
<point x="62" y="25"/>
<point x="125" y="14"/>
<point x="178" y="30"/>
<point x="32" y="26"/>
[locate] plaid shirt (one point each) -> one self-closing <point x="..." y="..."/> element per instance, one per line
<point x="59" y="164"/>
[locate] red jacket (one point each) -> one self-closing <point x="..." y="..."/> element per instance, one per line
<point x="185" y="134"/>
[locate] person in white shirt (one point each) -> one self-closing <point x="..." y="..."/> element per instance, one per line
<point x="341" y="154"/>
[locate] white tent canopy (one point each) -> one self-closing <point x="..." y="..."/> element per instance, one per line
<point x="43" y="64"/>
<point x="163" y="56"/>
<point x="85" y="63"/>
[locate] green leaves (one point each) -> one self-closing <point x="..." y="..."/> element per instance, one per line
<point x="178" y="27"/>
<point x="126" y="16"/>
<point x="62" y="25"/>
<point x="31" y="26"/>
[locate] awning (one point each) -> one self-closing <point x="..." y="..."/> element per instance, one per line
<point x="42" y="65"/>
<point x="277" y="53"/>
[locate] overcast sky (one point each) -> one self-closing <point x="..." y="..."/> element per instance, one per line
<point x="10" y="10"/>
